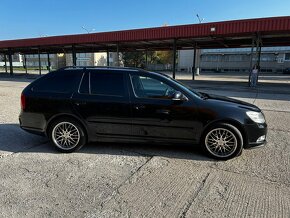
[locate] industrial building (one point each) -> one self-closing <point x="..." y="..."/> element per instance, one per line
<point x="272" y="59"/>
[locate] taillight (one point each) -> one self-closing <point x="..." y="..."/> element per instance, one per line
<point x="23" y="102"/>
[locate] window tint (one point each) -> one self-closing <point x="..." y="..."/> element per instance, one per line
<point x="147" y="87"/>
<point x="107" y="83"/>
<point x="59" y="82"/>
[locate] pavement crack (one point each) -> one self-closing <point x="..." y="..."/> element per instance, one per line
<point x="279" y="111"/>
<point x="191" y="200"/>
<point x="254" y="176"/>
<point x="116" y="191"/>
<point x="278" y="130"/>
<point x="51" y="179"/>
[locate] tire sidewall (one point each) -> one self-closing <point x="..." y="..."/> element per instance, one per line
<point x="81" y="130"/>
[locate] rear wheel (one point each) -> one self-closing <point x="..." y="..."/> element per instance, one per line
<point x="67" y="135"/>
<point x="223" y="141"/>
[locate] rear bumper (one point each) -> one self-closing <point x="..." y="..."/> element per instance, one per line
<point x="32" y="122"/>
<point x="257" y="135"/>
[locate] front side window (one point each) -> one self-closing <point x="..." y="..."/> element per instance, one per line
<point x="147" y="87"/>
<point x="107" y="83"/>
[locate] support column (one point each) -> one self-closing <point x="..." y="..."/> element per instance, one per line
<point x="10" y="63"/>
<point x="25" y="64"/>
<point x="251" y="61"/>
<point x="174" y="59"/>
<point x="146" y="59"/>
<point x="39" y="62"/>
<point x="74" y="56"/>
<point x="118" y="58"/>
<point x="259" y="60"/>
<point x="108" y="58"/>
<point x="48" y="62"/>
<point x="194" y="63"/>
<point x="5" y="60"/>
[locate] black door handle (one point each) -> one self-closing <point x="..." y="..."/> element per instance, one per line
<point x="140" y="107"/>
<point x="165" y="112"/>
<point x="78" y="103"/>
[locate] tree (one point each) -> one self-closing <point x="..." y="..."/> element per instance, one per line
<point x="133" y="59"/>
<point x="138" y="58"/>
<point x="165" y="57"/>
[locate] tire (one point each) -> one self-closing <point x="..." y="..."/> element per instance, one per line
<point x="222" y="141"/>
<point x="67" y="135"/>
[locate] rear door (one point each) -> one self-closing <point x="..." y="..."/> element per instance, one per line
<point x="103" y="102"/>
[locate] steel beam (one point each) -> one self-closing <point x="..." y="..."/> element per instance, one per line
<point x="5" y="60"/>
<point x="251" y="61"/>
<point x="108" y="58"/>
<point x="25" y="64"/>
<point x="39" y="62"/>
<point x="74" y="56"/>
<point x="194" y="63"/>
<point x="48" y="62"/>
<point x="146" y="59"/>
<point x="174" y="59"/>
<point x="118" y="58"/>
<point x="10" y="62"/>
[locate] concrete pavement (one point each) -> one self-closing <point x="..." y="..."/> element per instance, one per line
<point x="130" y="180"/>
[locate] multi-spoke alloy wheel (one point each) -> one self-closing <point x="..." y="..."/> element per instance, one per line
<point x="67" y="134"/>
<point x="223" y="141"/>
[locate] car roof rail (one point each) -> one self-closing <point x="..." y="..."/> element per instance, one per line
<point x="98" y="67"/>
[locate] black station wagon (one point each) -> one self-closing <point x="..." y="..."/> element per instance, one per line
<point x="75" y="105"/>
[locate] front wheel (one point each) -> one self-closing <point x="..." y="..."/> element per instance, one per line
<point x="223" y="141"/>
<point x="67" y="135"/>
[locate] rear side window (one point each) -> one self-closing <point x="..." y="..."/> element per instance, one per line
<point x="59" y="82"/>
<point x="107" y="83"/>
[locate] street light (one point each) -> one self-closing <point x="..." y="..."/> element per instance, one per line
<point x="83" y="27"/>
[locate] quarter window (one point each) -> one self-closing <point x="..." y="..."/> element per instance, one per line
<point x="59" y="82"/>
<point x="147" y="87"/>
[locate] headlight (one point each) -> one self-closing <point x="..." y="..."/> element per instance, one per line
<point x="257" y="117"/>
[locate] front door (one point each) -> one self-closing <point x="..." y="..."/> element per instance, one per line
<point x="103" y="102"/>
<point x="154" y="113"/>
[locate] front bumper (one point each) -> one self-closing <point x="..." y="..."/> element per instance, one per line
<point x="255" y="132"/>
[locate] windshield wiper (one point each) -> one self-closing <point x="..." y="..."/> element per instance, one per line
<point x="204" y="95"/>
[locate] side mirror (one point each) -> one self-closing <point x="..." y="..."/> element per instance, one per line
<point x="178" y="96"/>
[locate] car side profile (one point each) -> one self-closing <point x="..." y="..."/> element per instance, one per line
<point x="76" y="105"/>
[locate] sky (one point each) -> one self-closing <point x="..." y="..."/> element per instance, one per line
<point x="35" y="18"/>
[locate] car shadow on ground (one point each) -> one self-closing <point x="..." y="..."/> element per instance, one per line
<point x="18" y="77"/>
<point x="15" y="140"/>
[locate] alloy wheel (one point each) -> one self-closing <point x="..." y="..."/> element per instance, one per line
<point x="221" y="142"/>
<point x="66" y="135"/>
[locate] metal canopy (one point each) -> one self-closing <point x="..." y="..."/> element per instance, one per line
<point x="273" y="31"/>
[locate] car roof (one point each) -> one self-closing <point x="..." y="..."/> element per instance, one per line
<point x="98" y="68"/>
<point x="130" y="69"/>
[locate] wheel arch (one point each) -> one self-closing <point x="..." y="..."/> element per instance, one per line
<point x="235" y="123"/>
<point x="65" y="115"/>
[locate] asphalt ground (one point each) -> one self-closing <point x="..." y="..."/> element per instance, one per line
<point x="133" y="180"/>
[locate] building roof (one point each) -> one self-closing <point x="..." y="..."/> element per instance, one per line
<point x="274" y="31"/>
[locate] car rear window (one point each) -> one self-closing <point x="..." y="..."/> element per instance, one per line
<point x="107" y="83"/>
<point x="66" y="81"/>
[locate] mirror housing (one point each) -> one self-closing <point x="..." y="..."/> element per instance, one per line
<point x="178" y="96"/>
